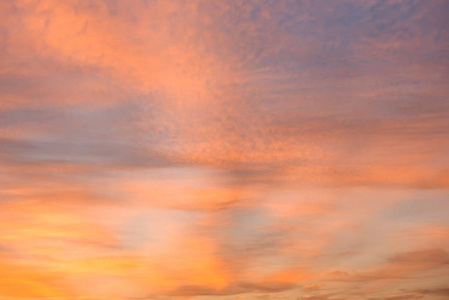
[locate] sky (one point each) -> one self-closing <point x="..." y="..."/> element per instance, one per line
<point x="224" y="150"/>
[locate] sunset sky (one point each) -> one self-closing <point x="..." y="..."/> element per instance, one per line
<point x="224" y="150"/>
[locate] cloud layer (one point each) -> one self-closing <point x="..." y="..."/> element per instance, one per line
<point x="232" y="150"/>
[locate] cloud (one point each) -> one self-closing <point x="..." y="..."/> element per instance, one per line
<point x="427" y="257"/>
<point x="155" y="149"/>
<point x="403" y="265"/>
<point x="312" y="287"/>
<point x="401" y="297"/>
<point x="244" y="129"/>
<point x="320" y="297"/>
<point x="437" y="292"/>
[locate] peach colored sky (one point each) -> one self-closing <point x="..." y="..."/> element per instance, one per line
<point x="224" y="150"/>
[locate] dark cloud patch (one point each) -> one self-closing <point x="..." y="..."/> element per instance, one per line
<point x="442" y="292"/>
<point x="430" y="256"/>
<point x="399" y="297"/>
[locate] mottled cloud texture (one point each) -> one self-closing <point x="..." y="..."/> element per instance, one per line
<point x="224" y="150"/>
